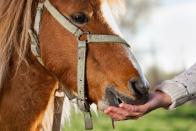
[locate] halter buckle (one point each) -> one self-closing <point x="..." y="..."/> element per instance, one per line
<point x="84" y="36"/>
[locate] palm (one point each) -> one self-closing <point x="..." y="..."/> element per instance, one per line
<point x="126" y="111"/>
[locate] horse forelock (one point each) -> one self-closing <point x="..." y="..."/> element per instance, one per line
<point x="117" y="6"/>
<point x="15" y="20"/>
<point x="111" y="9"/>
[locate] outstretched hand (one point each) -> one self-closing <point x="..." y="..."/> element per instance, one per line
<point x="126" y="111"/>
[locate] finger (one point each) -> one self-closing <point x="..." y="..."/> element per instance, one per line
<point x="109" y="109"/>
<point x="120" y="118"/>
<point x="117" y="110"/>
<point x="117" y="117"/>
<point x="130" y="108"/>
<point x="122" y="113"/>
<point x="127" y="113"/>
<point x="135" y="112"/>
<point x="134" y="108"/>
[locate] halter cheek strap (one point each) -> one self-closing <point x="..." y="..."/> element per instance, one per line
<point x="81" y="55"/>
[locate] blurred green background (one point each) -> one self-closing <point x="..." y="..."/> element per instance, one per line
<point x="181" y="119"/>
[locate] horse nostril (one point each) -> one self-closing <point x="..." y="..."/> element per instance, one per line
<point x="138" y="87"/>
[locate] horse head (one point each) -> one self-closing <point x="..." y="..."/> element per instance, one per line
<point x="112" y="73"/>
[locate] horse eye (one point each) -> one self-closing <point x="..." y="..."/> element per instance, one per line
<point x="79" y="18"/>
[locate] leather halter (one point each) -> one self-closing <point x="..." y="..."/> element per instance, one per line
<point x="81" y="53"/>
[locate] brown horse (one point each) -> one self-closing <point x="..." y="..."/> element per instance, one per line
<point x="26" y="87"/>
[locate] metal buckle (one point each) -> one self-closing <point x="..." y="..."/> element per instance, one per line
<point x="84" y="37"/>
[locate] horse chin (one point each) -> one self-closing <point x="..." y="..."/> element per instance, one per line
<point x="114" y="98"/>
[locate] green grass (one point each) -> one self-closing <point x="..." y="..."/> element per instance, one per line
<point x="181" y="119"/>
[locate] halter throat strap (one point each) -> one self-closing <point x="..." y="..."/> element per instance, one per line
<point x="81" y="49"/>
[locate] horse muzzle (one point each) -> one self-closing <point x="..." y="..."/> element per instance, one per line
<point x="138" y="89"/>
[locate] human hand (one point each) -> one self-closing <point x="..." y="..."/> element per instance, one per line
<point x="157" y="99"/>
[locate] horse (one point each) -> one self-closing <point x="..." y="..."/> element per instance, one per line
<point x="110" y="72"/>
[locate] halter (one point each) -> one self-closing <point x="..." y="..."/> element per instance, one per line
<point x="81" y="55"/>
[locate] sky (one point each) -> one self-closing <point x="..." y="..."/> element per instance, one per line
<point x="169" y="39"/>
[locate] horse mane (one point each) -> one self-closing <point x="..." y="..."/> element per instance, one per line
<point x="15" y="20"/>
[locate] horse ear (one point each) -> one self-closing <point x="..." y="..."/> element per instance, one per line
<point x="118" y="7"/>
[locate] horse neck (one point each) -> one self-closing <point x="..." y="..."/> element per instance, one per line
<point x="25" y="96"/>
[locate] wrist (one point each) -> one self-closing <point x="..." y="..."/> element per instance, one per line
<point x="165" y="100"/>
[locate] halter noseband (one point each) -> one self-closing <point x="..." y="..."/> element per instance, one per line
<point x="81" y="52"/>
